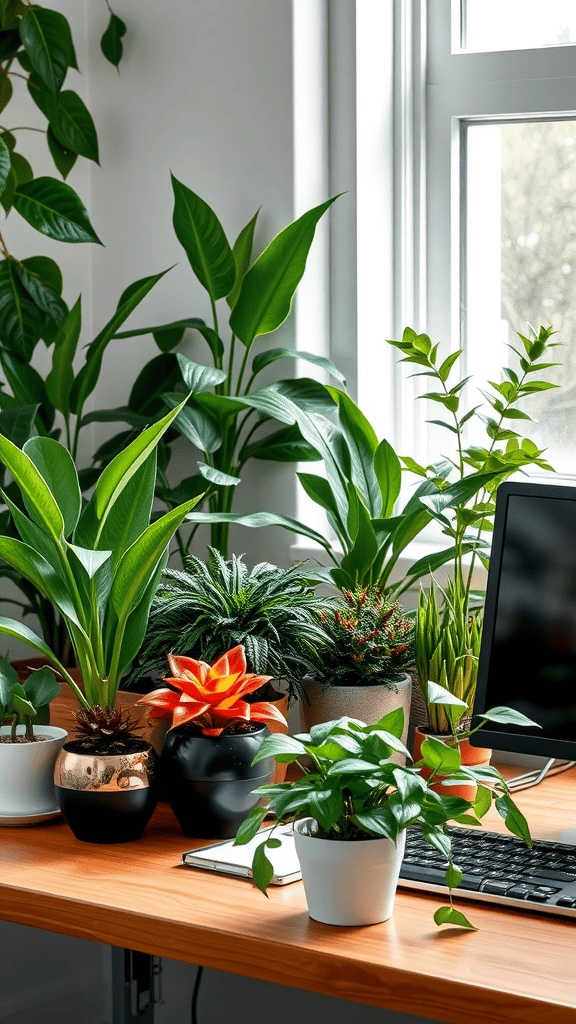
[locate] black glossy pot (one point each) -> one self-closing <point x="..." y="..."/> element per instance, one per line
<point x="107" y="798"/>
<point x="209" y="780"/>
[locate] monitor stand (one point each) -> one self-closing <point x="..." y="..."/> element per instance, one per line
<point x="533" y="778"/>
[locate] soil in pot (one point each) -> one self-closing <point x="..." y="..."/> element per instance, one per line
<point x="472" y="756"/>
<point x="209" y="780"/>
<point x="107" y="797"/>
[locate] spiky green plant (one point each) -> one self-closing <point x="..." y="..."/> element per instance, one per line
<point x="447" y="651"/>
<point x="215" y="605"/>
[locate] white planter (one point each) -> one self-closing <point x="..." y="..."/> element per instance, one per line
<point x="27" y="773"/>
<point x="367" y="703"/>
<point x="348" y="883"/>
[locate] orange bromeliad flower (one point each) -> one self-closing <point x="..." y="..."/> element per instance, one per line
<point x="210" y="695"/>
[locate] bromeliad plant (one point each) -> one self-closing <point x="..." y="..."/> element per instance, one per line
<point x="210" y="696"/>
<point x="99" y="565"/>
<point x="272" y="612"/>
<point x="26" y="702"/>
<point x="353" y="792"/>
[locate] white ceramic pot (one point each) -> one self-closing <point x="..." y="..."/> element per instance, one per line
<point x="348" y="883"/>
<point x="27" y="772"/>
<point x="367" y="703"/>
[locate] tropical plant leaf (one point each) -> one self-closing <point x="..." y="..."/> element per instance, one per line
<point x="39" y="499"/>
<point x="449" y="915"/>
<point x="242" y="252"/>
<point x="268" y="287"/>
<point x="46" y="38"/>
<point x="216" y="476"/>
<point x="271" y="355"/>
<point x="73" y="127"/>
<point x="4" y="163"/>
<point x="111" y="42"/>
<point x="64" y="158"/>
<point x="35" y="274"/>
<point x="20" y="319"/>
<point x="256" y="520"/>
<point x="57" y="467"/>
<point x="284" y="445"/>
<point x="61" y="377"/>
<point x="201" y="235"/>
<point x="197" y="377"/>
<point x="197" y="425"/>
<point x="53" y="208"/>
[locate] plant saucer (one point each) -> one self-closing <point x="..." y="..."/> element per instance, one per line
<point x="28" y="819"/>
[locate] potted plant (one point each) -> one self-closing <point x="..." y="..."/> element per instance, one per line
<point x="363" y="672"/>
<point x="221" y="603"/>
<point x="351" y="809"/>
<point x="99" y="565"/>
<point x="28" y="746"/>
<point x="208" y="755"/>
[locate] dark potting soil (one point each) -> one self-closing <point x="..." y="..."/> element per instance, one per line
<point x="107" y="745"/>
<point x="23" y="739"/>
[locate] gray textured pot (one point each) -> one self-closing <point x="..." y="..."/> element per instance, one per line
<point x="368" y="703"/>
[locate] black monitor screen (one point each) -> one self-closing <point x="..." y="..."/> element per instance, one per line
<point x="528" y="656"/>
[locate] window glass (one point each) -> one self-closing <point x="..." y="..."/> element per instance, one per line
<point x="517" y="24"/>
<point x="520" y="260"/>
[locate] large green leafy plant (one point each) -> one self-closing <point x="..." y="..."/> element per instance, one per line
<point x="37" y="52"/>
<point x="224" y="421"/>
<point x="353" y="791"/>
<point x="28" y="702"/>
<point x="99" y="565"/>
<point x="222" y="603"/>
<point x="363" y="476"/>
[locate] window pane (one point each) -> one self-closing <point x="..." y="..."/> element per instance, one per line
<point x="517" y="24"/>
<point x="521" y="261"/>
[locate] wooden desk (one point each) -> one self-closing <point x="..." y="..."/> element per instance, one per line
<point x="518" y="968"/>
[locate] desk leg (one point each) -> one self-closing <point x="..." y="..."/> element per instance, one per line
<point x="133" y="987"/>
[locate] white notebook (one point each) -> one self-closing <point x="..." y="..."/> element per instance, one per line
<point x="237" y="860"/>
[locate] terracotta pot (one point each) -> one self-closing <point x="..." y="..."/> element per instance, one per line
<point x="367" y="703"/>
<point x="475" y="757"/>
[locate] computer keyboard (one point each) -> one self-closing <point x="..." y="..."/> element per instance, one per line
<point x="496" y="868"/>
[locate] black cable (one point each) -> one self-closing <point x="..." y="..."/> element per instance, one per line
<point x="193" y="1017"/>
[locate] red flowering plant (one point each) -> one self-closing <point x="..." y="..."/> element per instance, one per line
<point x="211" y="695"/>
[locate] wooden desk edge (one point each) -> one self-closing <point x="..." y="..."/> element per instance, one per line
<point x="330" y="974"/>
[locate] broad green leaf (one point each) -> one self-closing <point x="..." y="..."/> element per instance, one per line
<point x="116" y="476"/>
<point x="273" y="354"/>
<point x="111" y="42"/>
<point x="33" y="535"/>
<point x="137" y="623"/>
<point x="36" y="276"/>
<point x="262" y="870"/>
<point x="22" y="706"/>
<point x="436" y="694"/>
<point x="307" y="394"/>
<point x="389" y="476"/>
<point x="257" y="520"/>
<point x="73" y="127"/>
<point x="458" y="493"/>
<point x="278" y="745"/>
<point x="35" y="568"/>
<point x="64" y="158"/>
<point x="87" y="378"/>
<point x="201" y="235"/>
<point x="378" y="822"/>
<point x="364" y="549"/>
<point x="250" y="826"/>
<point x="284" y="445"/>
<point x="449" y="915"/>
<point x="19" y="631"/>
<point x="6" y="91"/>
<point x="157" y="376"/>
<point x="515" y="820"/>
<point x="57" y="467"/>
<point x="46" y="38"/>
<point x="482" y="801"/>
<point x="26" y="383"/>
<point x="508" y="716"/>
<point x="90" y="560"/>
<point x="362" y="444"/>
<point x="140" y="559"/>
<point x="17" y="423"/>
<point x="22" y="168"/>
<point x="53" y="208"/>
<point x="4" y="163"/>
<point x="438" y="755"/>
<point x="61" y="377"/>
<point x="318" y="488"/>
<point x="39" y="499"/>
<point x="196" y="425"/>
<point x="8" y="677"/>
<point x="268" y="288"/>
<point x="216" y="476"/>
<point x="242" y="252"/>
<point x="194" y="323"/>
<point x="20" y="319"/>
<point x="197" y="377"/>
<point x="41" y="687"/>
<point x="10" y="42"/>
<point x="131" y="512"/>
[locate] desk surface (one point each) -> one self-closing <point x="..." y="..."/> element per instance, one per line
<point x="518" y="967"/>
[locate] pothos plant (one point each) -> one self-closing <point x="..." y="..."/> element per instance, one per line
<point x="353" y="791"/>
<point x="98" y="563"/>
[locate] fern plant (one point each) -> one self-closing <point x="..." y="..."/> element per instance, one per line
<point x="215" y="605"/>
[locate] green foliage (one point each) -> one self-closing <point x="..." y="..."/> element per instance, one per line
<point x="448" y="640"/>
<point x="97" y="564"/>
<point x="25" y="702"/>
<point x="371" y="641"/>
<point x="215" y="605"/>
<point x="353" y="790"/>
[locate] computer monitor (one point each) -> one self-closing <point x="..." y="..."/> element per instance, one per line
<point x="528" y="652"/>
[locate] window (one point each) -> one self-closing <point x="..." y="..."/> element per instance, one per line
<point x="501" y="191"/>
